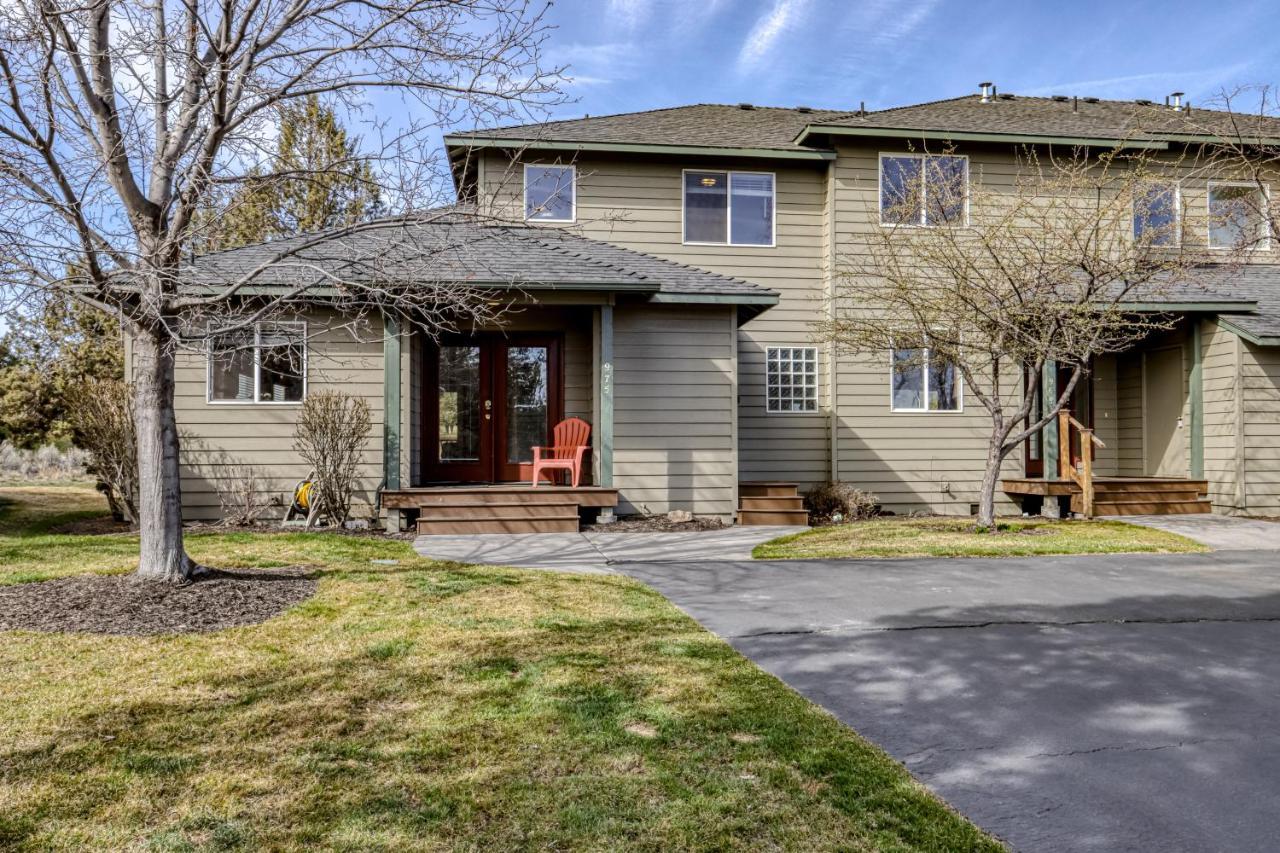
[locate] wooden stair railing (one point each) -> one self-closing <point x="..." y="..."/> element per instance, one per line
<point x="1081" y="475"/>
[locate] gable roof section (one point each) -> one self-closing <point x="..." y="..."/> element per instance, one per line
<point x="1258" y="282"/>
<point x="1032" y="119"/>
<point x="709" y="128"/>
<point x="459" y="247"/>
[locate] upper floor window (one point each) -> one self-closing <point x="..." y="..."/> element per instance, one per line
<point x="923" y="382"/>
<point x="1156" y="214"/>
<point x="550" y="193"/>
<point x="791" y="379"/>
<point x="729" y="208"/>
<point x="265" y="364"/>
<point x="1238" y="216"/>
<point x="924" y="189"/>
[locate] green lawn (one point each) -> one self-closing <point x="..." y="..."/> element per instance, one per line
<point x="957" y="537"/>
<point x="420" y="706"/>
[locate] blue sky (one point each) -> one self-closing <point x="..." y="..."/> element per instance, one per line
<point x="639" y="54"/>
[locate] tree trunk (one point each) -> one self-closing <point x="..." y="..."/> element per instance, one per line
<point x="162" y="555"/>
<point x="990" y="480"/>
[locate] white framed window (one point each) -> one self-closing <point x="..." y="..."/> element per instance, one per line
<point x="791" y="379"/>
<point x="550" y="193"/>
<point x="265" y="365"/>
<point x="1157" y="213"/>
<point x="728" y="208"/>
<point x="924" y="189"/>
<point x="923" y="382"/>
<point x="1238" y="215"/>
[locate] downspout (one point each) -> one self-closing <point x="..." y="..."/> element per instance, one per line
<point x="829" y="287"/>
<point x="1242" y="486"/>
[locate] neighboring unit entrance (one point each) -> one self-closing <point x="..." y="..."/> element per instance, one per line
<point x="489" y="400"/>
<point x="1164" y="398"/>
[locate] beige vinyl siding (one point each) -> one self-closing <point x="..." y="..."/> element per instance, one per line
<point x="674" y="383"/>
<point x="1130" y="442"/>
<point x="1220" y="381"/>
<point x="638" y="204"/>
<point x="225" y="442"/>
<point x="1260" y="373"/>
<point x="1106" y="424"/>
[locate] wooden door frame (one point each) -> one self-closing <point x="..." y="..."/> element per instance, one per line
<point x="492" y="467"/>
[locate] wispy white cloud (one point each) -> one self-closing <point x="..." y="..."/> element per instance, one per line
<point x="1205" y="81"/>
<point x="769" y="28"/>
<point x="629" y="14"/>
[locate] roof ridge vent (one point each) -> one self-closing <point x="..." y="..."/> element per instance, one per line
<point x="1062" y="99"/>
<point x="1090" y="100"/>
<point x="746" y="106"/>
<point x="804" y="109"/>
<point x="1007" y="96"/>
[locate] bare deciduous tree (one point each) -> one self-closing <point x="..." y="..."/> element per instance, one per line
<point x="969" y="281"/>
<point x="122" y="122"/>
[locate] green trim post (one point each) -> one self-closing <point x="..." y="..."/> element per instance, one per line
<point x="604" y="429"/>
<point x="391" y="403"/>
<point x="1196" y="394"/>
<point x="1049" y="393"/>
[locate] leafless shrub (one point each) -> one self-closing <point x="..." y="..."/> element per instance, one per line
<point x="46" y="463"/>
<point x="835" y="498"/>
<point x="243" y="499"/>
<point x="102" y="423"/>
<point x="332" y="430"/>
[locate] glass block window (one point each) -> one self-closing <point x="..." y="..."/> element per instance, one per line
<point x="791" y="379"/>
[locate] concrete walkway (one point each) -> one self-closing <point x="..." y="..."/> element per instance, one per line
<point x="1219" y="532"/>
<point x="596" y="552"/>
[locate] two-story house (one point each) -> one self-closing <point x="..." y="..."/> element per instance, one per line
<point x="665" y="269"/>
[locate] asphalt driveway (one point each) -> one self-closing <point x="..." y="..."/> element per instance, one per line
<point x="1071" y="703"/>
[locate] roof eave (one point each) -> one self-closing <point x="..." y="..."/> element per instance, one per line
<point x="1256" y="340"/>
<point x="966" y="136"/>
<point x="464" y="142"/>
<point x="1191" y="307"/>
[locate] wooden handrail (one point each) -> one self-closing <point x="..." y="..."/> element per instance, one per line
<point x="1084" y="476"/>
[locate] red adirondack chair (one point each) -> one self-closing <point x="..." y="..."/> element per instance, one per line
<point x="570" y="437"/>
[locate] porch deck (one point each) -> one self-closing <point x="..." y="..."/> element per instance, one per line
<point x="498" y="508"/>
<point x="1122" y="495"/>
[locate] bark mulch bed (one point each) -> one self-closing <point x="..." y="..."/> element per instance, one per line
<point x="126" y="606"/>
<point x="656" y="523"/>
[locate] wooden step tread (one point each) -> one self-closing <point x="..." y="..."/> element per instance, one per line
<point x="768" y="490"/>
<point x="514" y="509"/>
<point x="772" y="516"/>
<point x="1151" y="507"/>
<point x="462" y="526"/>
<point x="789" y="502"/>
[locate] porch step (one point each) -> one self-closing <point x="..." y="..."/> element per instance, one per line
<point x="470" y="509"/>
<point x="498" y="524"/>
<point x="1149" y="485"/>
<point x="773" y="516"/>
<point x="1161" y="507"/>
<point x="794" y="502"/>
<point x="767" y="489"/>
<point x="771" y="502"/>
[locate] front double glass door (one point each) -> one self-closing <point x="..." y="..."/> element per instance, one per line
<point x="491" y="400"/>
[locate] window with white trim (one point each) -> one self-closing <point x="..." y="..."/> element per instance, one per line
<point x="1238" y="215"/>
<point x="265" y="364"/>
<point x="1157" y="214"/>
<point x="729" y="208"/>
<point x="924" y="189"/>
<point x="550" y="193"/>
<point x="923" y="382"/>
<point x="791" y="379"/>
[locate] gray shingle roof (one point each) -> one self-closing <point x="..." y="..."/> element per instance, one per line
<point x="703" y="125"/>
<point x="778" y="128"/>
<point x="1071" y="117"/>
<point x="1259" y="282"/>
<point x="458" y="247"/>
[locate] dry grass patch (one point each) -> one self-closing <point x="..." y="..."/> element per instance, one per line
<point x="427" y="706"/>
<point x="958" y="537"/>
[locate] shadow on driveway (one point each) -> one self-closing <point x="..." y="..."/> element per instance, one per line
<point x="1099" y="703"/>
